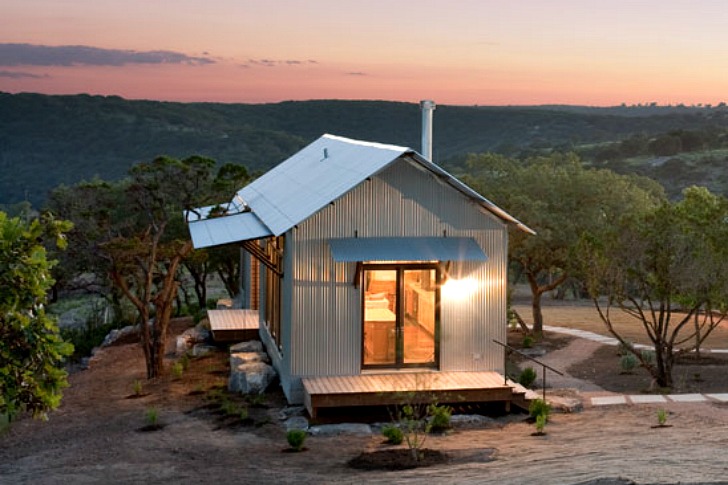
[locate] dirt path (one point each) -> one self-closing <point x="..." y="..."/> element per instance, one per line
<point x="94" y="438"/>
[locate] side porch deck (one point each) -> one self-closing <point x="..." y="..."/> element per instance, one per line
<point x="233" y="325"/>
<point x="386" y="389"/>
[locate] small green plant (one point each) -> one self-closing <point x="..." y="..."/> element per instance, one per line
<point x="393" y="434"/>
<point x="627" y="363"/>
<point x="185" y="361"/>
<point x="527" y="377"/>
<point x="648" y="356"/>
<point x="439" y="417"/>
<point x="137" y="387"/>
<point x="255" y="400"/>
<point x="152" y="416"/>
<point x="540" y="424"/>
<point x="623" y="348"/>
<point x="539" y="407"/>
<point x="296" y="438"/>
<point x="527" y="342"/>
<point x="661" y="417"/>
<point x="177" y="370"/>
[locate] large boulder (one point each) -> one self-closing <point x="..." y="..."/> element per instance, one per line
<point x="192" y="337"/>
<point x="240" y="358"/>
<point x="251" y="377"/>
<point x="249" y="346"/>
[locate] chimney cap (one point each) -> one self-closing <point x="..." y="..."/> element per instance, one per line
<point x="427" y="104"/>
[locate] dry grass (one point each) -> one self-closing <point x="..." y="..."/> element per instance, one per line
<point x="585" y="317"/>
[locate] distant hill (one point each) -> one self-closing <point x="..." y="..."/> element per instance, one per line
<point x="49" y="140"/>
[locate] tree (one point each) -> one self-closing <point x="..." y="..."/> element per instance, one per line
<point x="666" y="268"/>
<point x="561" y="200"/>
<point x="31" y="350"/>
<point x="132" y="234"/>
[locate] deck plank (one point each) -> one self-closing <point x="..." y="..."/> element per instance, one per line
<point x="387" y="388"/>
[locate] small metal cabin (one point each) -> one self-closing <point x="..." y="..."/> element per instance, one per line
<point x="373" y="261"/>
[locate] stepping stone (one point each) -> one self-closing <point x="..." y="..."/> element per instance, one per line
<point x="722" y="397"/>
<point x="687" y="397"/>
<point x="608" y="400"/>
<point x="647" y="399"/>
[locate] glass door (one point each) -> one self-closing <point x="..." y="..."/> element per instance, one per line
<point x="400" y="316"/>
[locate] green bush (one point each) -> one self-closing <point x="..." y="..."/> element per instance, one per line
<point x="527" y="342"/>
<point x="296" y="438"/>
<point x="439" y="418"/>
<point x="539" y="407"/>
<point x="393" y="434"/>
<point x="86" y="338"/>
<point x="527" y="377"/>
<point x="177" y="370"/>
<point x="627" y="363"/>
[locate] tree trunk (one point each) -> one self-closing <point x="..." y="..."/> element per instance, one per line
<point x="536" y="293"/>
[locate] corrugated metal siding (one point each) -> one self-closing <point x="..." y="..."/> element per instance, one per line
<point x="401" y="201"/>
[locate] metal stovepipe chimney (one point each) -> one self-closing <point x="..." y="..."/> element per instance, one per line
<point x="427" y="108"/>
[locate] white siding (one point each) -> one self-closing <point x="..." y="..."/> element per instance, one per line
<point x="403" y="200"/>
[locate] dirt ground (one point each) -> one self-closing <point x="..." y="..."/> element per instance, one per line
<point x="95" y="437"/>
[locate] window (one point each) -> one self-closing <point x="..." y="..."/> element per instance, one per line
<point x="400" y="315"/>
<point x="273" y="276"/>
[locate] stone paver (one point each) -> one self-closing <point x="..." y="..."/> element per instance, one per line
<point x="722" y="396"/>
<point x="647" y="398"/>
<point x="687" y="397"/>
<point x="608" y="400"/>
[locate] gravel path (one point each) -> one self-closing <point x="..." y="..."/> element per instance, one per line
<point x="578" y="350"/>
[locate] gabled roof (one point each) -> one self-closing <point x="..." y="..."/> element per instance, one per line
<point x="306" y="182"/>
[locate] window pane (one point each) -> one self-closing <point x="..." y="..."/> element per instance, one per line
<point x="380" y="319"/>
<point x="419" y="316"/>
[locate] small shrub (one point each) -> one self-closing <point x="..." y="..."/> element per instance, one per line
<point x="439" y="418"/>
<point x="185" y="361"/>
<point x="177" y="370"/>
<point x="627" y="363"/>
<point x="152" y="416"/>
<point x="540" y="423"/>
<point x="393" y="434"/>
<point x="527" y="342"/>
<point x="243" y="414"/>
<point x="623" y="349"/>
<point x="255" y="400"/>
<point x="527" y="377"/>
<point x="137" y="387"/>
<point x="539" y="407"/>
<point x="296" y="438"/>
<point x="661" y="417"/>
<point x="648" y="356"/>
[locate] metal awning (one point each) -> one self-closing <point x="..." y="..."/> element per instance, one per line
<point x="216" y="231"/>
<point x="406" y="249"/>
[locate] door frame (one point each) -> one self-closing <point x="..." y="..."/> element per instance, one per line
<point x="400" y="268"/>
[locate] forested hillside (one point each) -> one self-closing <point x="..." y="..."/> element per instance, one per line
<point x="49" y="140"/>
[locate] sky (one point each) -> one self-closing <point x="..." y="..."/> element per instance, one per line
<point x="458" y="52"/>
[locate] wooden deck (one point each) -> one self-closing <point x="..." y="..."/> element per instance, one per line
<point x="388" y="389"/>
<point x="233" y="325"/>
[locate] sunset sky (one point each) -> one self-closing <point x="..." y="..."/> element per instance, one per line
<point x="487" y="52"/>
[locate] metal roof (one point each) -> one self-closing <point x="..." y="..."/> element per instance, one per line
<point x="227" y="229"/>
<point x="406" y="249"/>
<point x="317" y="175"/>
<point x="312" y="178"/>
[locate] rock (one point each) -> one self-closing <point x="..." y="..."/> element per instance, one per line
<point x="291" y="411"/>
<point x="251" y="378"/>
<point x="240" y="358"/>
<point x="357" y="429"/>
<point x="117" y="334"/>
<point x="202" y="349"/>
<point x="249" y="346"/>
<point x="182" y="345"/>
<point x="296" y="422"/>
<point x="197" y="334"/>
<point x="470" y="421"/>
<point x="561" y="404"/>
